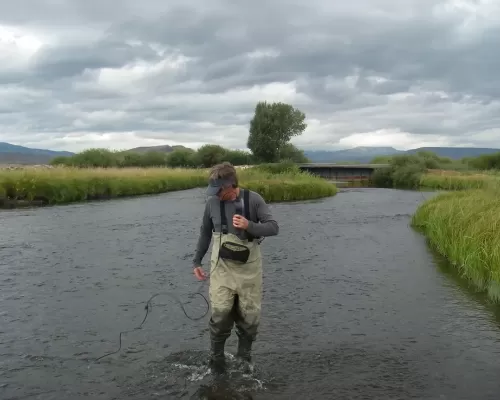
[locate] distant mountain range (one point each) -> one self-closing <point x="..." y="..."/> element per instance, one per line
<point x="164" y="149"/>
<point x="366" y="154"/>
<point x="359" y="154"/>
<point x="14" y="154"/>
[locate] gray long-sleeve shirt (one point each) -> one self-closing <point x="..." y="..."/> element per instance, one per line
<point x="261" y="223"/>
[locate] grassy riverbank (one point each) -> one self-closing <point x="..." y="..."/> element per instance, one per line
<point x="66" y="185"/>
<point x="464" y="226"/>
<point x="453" y="180"/>
<point x="425" y="170"/>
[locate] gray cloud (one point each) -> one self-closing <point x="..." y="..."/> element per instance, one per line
<point x="119" y="74"/>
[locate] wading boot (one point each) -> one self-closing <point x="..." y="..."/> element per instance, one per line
<point x="244" y="355"/>
<point x="244" y="348"/>
<point x="217" y="357"/>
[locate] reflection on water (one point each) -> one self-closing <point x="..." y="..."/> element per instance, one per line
<point x="483" y="306"/>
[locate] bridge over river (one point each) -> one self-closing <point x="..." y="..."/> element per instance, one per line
<point x="343" y="173"/>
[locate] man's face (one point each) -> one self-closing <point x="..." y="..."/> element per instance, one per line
<point x="227" y="193"/>
<point x="224" y="191"/>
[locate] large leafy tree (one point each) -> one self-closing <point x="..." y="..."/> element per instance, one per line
<point x="272" y="127"/>
<point x="292" y="153"/>
<point x="210" y="154"/>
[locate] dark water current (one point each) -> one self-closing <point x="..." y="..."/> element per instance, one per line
<point x="355" y="306"/>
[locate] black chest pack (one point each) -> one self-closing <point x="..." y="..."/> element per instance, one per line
<point x="232" y="251"/>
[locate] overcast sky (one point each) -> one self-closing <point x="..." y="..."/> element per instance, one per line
<point x="76" y="74"/>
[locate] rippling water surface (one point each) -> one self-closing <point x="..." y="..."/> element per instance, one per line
<point x="355" y="306"/>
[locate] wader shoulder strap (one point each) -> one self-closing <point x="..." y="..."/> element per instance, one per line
<point x="223" y="218"/>
<point x="246" y="205"/>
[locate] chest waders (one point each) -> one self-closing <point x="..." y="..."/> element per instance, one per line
<point x="235" y="289"/>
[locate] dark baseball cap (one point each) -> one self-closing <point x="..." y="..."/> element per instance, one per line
<point x="215" y="185"/>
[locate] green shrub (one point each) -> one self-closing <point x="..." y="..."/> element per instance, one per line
<point x="404" y="171"/>
<point x="485" y="162"/>
<point x="382" y="177"/>
<point x="407" y="176"/>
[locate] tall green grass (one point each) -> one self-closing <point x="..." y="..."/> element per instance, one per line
<point x="447" y="180"/>
<point x="66" y="185"/>
<point x="464" y="226"/>
<point x="285" y="182"/>
<point x="286" y="188"/>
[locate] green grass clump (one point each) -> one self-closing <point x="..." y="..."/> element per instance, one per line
<point x="464" y="226"/>
<point x="285" y="182"/>
<point x="448" y="180"/>
<point x="66" y="184"/>
<point x="289" y="189"/>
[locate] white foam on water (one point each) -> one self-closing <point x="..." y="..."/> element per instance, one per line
<point x="198" y="372"/>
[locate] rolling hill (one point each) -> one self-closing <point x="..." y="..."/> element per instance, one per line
<point x="163" y="148"/>
<point x="358" y="154"/>
<point x="456" y="152"/>
<point x="14" y="154"/>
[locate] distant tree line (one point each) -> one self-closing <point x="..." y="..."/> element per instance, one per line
<point x="484" y="162"/>
<point x="431" y="160"/>
<point x="271" y="129"/>
<point x="205" y="157"/>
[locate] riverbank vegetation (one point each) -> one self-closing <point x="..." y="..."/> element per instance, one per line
<point x="285" y="182"/>
<point x="464" y="226"/>
<point x="282" y="182"/>
<point x="429" y="171"/>
<point x="182" y="157"/>
<point x="485" y="162"/>
<point x="453" y="180"/>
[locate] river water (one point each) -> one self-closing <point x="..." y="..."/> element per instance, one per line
<point x="355" y="306"/>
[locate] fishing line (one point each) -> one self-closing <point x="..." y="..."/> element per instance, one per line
<point x="149" y="306"/>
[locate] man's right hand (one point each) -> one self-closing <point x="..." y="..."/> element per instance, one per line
<point x="199" y="273"/>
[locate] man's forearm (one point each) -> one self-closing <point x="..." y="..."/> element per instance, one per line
<point x="268" y="225"/>
<point x="204" y="238"/>
<point x="263" y="229"/>
<point x="202" y="247"/>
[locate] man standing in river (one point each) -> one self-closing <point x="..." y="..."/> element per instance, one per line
<point x="236" y="260"/>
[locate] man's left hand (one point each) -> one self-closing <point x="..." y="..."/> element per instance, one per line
<point x="240" y="222"/>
